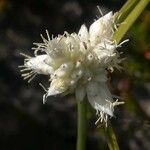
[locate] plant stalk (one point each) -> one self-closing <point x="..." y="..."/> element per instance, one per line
<point x="111" y="139"/>
<point x="81" y="131"/>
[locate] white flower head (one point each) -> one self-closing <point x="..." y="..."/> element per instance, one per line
<point x="102" y="28"/>
<point x="78" y="63"/>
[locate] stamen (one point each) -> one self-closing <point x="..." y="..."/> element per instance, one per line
<point x="25" y="69"/>
<point x="105" y="44"/>
<point x="25" y="55"/>
<point x="22" y="66"/>
<point x="60" y="39"/>
<point x="101" y="13"/>
<point x="115" y="26"/>
<point x="103" y="117"/>
<point x="44" y="98"/>
<point x="123" y="42"/>
<point x="117" y="103"/>
<point x="97" y="120"/>
<point x="106" y="120"/>
<point x="38" y="43"/>
<point x="112" y="30"/>
<point x="43" y="87"/>
<point x="48" y="35"/>
<point x="66" y="33"/>
<point x="31" y="78"/>
<point x="36" y="49"/>
<point x="27" y="76"/>
<point x="118" y="17"/>
<point x="44" y="40"/>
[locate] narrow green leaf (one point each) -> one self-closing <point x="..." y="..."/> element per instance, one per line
<point x="131" y="18"/>
<point x="125" y="10"/>
<point x="111" y="139"/>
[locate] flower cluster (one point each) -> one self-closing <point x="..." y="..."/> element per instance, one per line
<point x="79" y="63"/>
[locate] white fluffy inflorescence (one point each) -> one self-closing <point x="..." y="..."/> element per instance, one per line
<point x="78" y="63"/>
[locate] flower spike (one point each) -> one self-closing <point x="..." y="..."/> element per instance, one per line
<point x="79" y="63"/>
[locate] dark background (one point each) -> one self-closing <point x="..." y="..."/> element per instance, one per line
<point x="25" y="123"/>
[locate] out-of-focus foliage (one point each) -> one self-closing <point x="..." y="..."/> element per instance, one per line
<point x="138" y="64"/>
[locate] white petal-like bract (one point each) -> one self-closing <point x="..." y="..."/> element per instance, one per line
<point x="101" y="29"/>
<point x="83" y="33"/>
<point x="100" y="97"/>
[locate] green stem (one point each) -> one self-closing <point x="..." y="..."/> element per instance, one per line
<point x="130" y="20"/>
<point x="111" y="139"/>
<point x="81" y="131"/>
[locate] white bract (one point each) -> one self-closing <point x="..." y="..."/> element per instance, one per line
<point x="78" y="63"/>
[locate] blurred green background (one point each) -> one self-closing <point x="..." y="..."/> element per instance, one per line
<point x="25" y="123"/>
